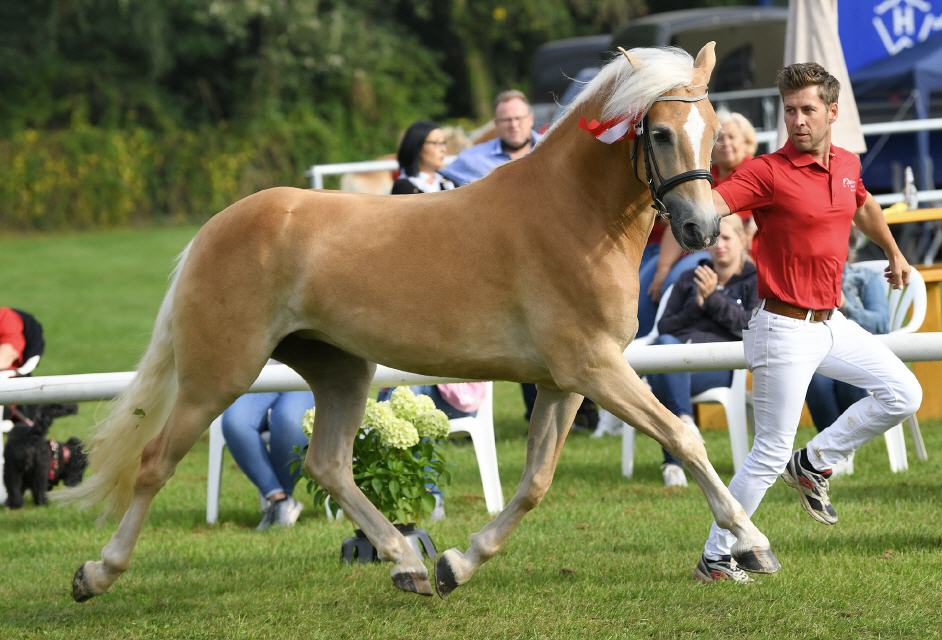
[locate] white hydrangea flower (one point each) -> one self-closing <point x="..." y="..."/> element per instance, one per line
<point x="399" y="434"/>
<point x="404" y="403"/>
<point x="378" y="415"/>
<point x="433" y="424"/>
<point x="307" y="422"/>
<point x="424" y="404"/>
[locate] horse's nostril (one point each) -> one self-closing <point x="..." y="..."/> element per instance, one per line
<point x="691" y="231"/>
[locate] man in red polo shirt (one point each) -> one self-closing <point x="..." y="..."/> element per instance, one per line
<point x="804" y="198"/>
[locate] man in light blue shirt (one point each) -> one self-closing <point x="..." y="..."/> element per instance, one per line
<point x="513" y="119"/>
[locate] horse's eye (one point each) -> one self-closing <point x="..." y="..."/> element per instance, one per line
<point x="661" y="135"/>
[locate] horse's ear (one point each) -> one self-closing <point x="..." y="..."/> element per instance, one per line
<point x="706" y="59"/>
<point x="632" y="59"/>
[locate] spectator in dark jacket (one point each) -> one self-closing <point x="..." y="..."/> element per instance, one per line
<point x="710" y="303"/>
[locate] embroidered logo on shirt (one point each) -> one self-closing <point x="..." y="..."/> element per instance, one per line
<point x="850" y="184"/>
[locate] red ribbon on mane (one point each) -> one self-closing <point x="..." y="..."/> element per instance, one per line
<point x="597" y="128"/>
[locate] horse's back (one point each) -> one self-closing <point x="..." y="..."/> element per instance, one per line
<point x="398" y="280"/>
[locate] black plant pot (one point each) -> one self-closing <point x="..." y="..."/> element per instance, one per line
<point x="360" y="548"/>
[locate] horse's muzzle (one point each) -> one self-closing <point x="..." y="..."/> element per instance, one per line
<point x="696" y="234"/>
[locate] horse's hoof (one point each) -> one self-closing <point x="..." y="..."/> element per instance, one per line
<point x="413" y="583"/>
<point x="81" y="591"/>
<point x="445" y="581"/>
<point x="758" y="561"/>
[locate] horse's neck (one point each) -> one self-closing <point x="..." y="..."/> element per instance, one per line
<point x="594" y="180"/>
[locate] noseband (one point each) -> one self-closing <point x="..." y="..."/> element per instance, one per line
<point x="660" y="188"/>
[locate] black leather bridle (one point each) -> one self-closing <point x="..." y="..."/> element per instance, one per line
<point x="660" y="188"/>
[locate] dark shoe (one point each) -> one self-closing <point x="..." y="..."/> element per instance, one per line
<point x="812" y="489"/>
<point x="267" y="518"/>
<point x="715" y="570"/>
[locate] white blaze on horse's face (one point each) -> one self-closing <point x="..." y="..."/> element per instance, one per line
<point x="694" y="128"/>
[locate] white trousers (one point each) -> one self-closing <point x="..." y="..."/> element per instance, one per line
<point x="782" y="354"/>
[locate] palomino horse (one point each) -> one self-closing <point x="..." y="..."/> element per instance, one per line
<point x="530" y="274"/>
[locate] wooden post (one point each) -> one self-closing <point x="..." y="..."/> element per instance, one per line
<point x="931" y="372"/>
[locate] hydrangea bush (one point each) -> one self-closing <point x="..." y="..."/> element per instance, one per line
<point x="395" y="456"/>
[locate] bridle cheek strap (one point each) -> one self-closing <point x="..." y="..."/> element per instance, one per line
<point x="662" y="185"/>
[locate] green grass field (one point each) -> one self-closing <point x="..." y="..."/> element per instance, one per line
<point x="602" y="557"/>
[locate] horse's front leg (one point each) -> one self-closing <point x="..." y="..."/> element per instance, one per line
<point x="620" y="391"/>
<point x="341" y="383"/>
<point x="552" y="417"/>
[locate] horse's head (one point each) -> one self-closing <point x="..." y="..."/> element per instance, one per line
<point x="678" y="135"/>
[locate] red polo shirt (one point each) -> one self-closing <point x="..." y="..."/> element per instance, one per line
<point x="803" y="214"/>
<point x="11" y="332"/>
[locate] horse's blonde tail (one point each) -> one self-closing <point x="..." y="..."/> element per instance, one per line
<point x="134" y="419"/>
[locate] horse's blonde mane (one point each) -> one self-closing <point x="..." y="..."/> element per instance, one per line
<point x="633" y="90"/>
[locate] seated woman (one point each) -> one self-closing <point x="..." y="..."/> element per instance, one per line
<point x="863" y="301"/>
<point x="421" y="154"/>
<point x="269" y="468"/>
<point x="710" y="303"/>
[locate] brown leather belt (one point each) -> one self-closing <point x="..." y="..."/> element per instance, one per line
<point x="788" y="310"/>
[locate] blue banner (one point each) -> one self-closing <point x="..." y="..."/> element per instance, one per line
<point x="874" y="29"/>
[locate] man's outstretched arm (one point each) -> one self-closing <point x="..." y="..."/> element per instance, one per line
<point x="870" y="219"/>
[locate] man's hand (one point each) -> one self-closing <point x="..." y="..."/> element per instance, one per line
<point x="897" y="272"/>
<point x="706" y="280"/>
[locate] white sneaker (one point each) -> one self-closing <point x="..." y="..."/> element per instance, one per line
<point x="283" y="513"/>
<point x="673" y="475"/>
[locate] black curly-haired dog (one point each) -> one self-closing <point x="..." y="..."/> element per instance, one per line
<point x="33" y="462"/>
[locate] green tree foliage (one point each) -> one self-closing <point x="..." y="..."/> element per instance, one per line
<point x="117" y="111"/>
<point x="489" y="44"/>
<point x="183" y="63"/>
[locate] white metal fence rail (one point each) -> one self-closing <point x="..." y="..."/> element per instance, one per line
<point x="644" y="359"/>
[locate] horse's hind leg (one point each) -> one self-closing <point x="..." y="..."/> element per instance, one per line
<point x="620" y="391"/>
<point x="552" y="417"/>
<point x="341" y="383"/>
<point x="187" y="421"/>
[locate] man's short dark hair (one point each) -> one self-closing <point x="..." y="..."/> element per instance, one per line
<point x="808" y="74"/>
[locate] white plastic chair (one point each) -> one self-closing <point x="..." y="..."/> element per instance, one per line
<point x="481" y="430"/>
<point x="732" y="399"/>
<point x="907" y="312"/>
<point x="479" y="427"/>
